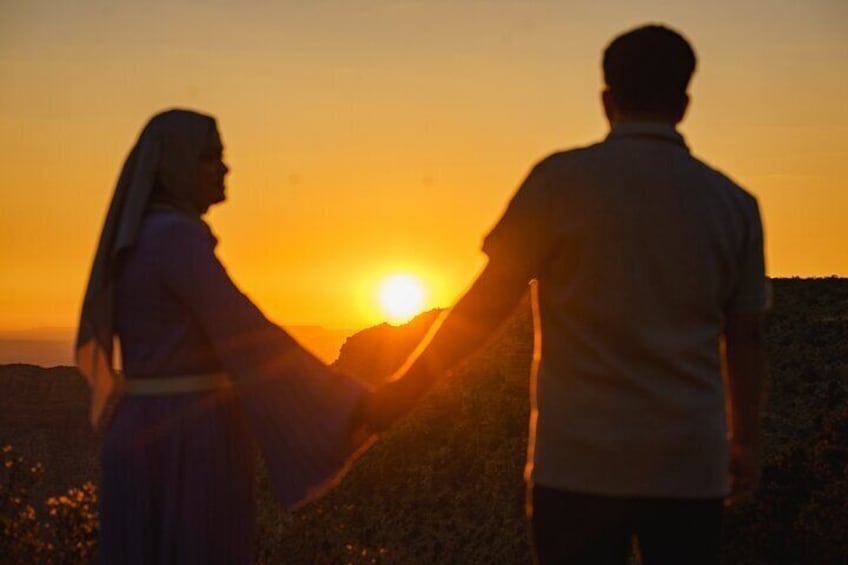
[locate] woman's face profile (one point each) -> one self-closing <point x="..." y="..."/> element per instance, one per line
<point x="211" y="171"/>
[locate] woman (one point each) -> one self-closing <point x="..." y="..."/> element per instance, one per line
<point x="205" y="371"/>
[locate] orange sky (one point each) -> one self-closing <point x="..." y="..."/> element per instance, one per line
<point x="372" y="137"/>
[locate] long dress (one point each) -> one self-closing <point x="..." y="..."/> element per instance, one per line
<point x="177" y="481"/>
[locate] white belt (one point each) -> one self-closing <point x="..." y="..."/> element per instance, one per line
<point x="177" y="384"/>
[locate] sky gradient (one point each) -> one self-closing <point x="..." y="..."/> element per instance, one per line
<point x="367" y="138"/>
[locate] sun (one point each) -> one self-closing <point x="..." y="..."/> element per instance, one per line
<point x="401" y="297"/>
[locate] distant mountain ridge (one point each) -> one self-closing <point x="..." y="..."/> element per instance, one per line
<point x="54" y="347"/>
<point x="41" y="352"/>
<point x="324" y="343"/>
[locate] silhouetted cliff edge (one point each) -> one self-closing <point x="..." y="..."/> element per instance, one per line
<point x="374" y="353"/>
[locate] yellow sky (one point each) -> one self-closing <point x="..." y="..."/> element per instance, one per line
<point x="371" y="137"/>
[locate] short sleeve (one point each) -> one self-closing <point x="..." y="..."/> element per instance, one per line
<point x="522" y="238"/>
<point x="752" y="292"/>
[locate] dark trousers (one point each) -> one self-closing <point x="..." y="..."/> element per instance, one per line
<point x="575" y="528"/>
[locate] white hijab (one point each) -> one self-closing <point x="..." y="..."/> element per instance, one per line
<point x="165" y="158"/>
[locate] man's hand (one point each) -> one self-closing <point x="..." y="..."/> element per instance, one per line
<point x="745" y="472"/>
<point x="488" y="302"/>
<point x="747" y="373"/>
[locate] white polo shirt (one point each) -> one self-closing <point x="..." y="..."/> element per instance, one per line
<point x="641" y="252"/>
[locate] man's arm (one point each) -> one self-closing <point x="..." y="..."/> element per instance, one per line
<point x="518" y="246"/>
<point x="747" y="374"/>
<point x="489" y="301"/>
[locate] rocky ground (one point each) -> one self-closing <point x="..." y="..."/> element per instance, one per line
<point x="445" y="485"/>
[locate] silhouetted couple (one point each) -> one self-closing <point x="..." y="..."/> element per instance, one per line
<point x="644" y="260"/>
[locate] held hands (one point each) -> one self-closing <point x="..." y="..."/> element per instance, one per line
<point x="383" y="406"/>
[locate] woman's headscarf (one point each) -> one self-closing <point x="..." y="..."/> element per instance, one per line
<point x="161" y="169"/>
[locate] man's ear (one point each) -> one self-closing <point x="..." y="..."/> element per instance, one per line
<point x="610" y="107"/>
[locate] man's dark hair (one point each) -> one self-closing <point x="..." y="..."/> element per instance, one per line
<point x="648" y="69"/>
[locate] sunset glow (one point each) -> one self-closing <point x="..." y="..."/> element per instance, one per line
<point x="357" y="132"/>
<point x="401" y="297"/>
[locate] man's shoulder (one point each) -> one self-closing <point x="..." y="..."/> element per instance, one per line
<point x="563" y="163"/>
<point x="723" y="182"/>
<point x="565" y="159"/>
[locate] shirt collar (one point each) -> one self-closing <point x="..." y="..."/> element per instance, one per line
<point x="648" y="130"/>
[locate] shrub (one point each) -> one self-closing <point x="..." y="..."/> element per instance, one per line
<point x="62" y="530"/>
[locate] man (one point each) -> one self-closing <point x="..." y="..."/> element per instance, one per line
<point x="646" y="260"/>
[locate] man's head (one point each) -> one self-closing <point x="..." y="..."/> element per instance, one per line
<point x="647" y="72"/>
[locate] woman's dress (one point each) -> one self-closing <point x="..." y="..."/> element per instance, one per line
<point x="177" y="484"/>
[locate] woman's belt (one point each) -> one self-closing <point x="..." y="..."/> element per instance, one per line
<point x="177" y="384"/>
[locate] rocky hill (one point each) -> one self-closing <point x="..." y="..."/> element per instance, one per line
<point x="445" y="484"/>
<point x="373" y="354"/>
<point x="44" y="415"/>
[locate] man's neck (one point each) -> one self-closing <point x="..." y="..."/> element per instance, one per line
<point x="641" y="117"/>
